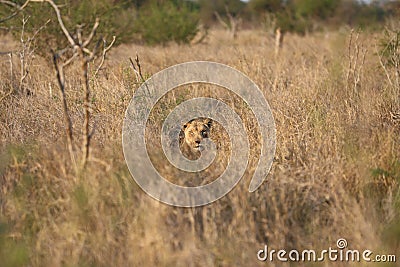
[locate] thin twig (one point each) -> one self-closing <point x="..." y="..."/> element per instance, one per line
<point x="138" y="71"/>
<point x="92" y="33"/>
<point x="220" y="20"/>
<point x="26" y="52"/>
<point x="233" y="22"/>
<point x="103" y="56"/>
<point x="12" y="4"/>
<point x="23" y="69"/>
<point x="70" y="60"/>
<point x="60" y="21"/>
<point x="139" y="67"/>
<point x="79" y="35"/>
<point x="135" y="70"/>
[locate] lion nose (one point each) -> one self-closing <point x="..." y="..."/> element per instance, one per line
<point x="197" y="142"/>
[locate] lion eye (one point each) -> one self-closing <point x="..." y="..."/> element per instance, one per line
<point x="203" y="133"/>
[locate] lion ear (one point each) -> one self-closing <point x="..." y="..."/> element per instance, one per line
<point x="208" y="122"/>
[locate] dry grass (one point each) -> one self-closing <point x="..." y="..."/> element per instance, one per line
<point x="336" y="172"/>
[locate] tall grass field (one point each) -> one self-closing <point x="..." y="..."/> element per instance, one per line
<point x="335" y="99"/>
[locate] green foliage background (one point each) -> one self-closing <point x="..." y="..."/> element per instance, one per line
<point x="165" y="21"/>
<point x="115" y="19"/>
<point x="162" y="21"/>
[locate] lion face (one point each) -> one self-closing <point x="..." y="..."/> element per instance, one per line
<point x="195" y="131"/>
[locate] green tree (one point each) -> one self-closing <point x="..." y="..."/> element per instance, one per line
<point x="321" y="9"/>
<point x="160" y="22"/>
<point x="262" y="6"/>
<point x="301" y="16"/>
<point x="362" y="15"/>
<point x="116" y="18"/>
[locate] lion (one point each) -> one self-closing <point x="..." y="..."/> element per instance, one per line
<point x="191" y="137"/>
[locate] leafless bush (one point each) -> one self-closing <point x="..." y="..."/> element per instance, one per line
<point x="78" y="47"/>
<point x="26" y="53"/>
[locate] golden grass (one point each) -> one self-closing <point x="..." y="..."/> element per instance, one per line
<point x="336" y="172"/>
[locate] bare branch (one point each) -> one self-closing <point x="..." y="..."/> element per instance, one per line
<point x="67" y="118"/>
<point x="78" y="46"/>
<point x="79" y="34"/>
<point x="12" y="4"/>
<point x="221" y="20"/>
<point x="87" y="51"/>
<point x="26" y="51"/>
<point x="68" y="61"/>
<point x="139" y="67"/>
<point x="231" y="18"/>
<point x="87" y="135"/>
<point x="92" y="33"/>
<point x="135" y="70"/>
<point x="39" y="30"/>
<point x="138" y="71"/>
<point x="60" y="21"/>
<point x="103" y="57"/>
<point x="22" y="54"/>
<point x="232" y="24"/>
<point x="92" y="53"/>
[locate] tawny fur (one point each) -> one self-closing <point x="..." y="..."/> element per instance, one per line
<point x="192" y="135"/>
